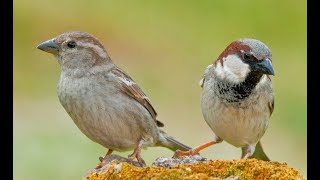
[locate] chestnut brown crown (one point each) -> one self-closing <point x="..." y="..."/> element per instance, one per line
<point x="251" y="52"/>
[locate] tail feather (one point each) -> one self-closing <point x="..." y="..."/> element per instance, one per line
<point x="171" y="143"/>
<point x="259" y="153"/>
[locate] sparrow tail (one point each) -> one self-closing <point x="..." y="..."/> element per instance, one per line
<point x="259" y="153"/>
<point x="169" y="142"/>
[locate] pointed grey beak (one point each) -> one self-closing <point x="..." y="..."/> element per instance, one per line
<point x="264" y="67"/>
<point x="49" y="46"/>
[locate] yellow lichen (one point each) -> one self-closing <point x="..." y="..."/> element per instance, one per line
<point x="219" y="169"/>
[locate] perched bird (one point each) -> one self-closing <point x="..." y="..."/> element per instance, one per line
<point x="103" y="101"/>
<point x="237" y="97"/>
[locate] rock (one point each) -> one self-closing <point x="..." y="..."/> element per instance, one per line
<point x="193" y="167"/>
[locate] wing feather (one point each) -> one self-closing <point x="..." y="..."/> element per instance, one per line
<point x="130" y="88"/>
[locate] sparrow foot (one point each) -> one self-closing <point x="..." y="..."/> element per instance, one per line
<point x="196" y="150"/>
<point x="102" y="158"/>
<point x="137" y="154"/>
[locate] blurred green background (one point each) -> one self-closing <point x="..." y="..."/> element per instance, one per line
<point x="165" y="46"/>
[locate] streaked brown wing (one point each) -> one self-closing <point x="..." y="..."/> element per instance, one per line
<point x="129" y="87"/>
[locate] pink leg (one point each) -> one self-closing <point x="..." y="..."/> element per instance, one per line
<point x="196" y="150"/>
<point x="137" y="153"/>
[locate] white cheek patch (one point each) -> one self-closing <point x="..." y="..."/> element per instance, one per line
<point x="233" y="69"/>
<point x="101" y="52"/>
<point x="263" y="81"/>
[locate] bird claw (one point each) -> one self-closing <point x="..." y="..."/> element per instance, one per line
<point x="101" y="159"/>
<point x="139" y="160"/>
<point x="98" y="166"/>
<point x="142" y="162"/>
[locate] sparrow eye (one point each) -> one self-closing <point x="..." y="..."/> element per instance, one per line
<point x="72" y="44"/>
<point x="247" y="56"/>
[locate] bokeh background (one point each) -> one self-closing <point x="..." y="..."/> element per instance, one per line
<point x="165" y="46"/>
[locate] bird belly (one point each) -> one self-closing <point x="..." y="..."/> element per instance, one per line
<point x="236" y="125"/>
<point x="115" y="122"/>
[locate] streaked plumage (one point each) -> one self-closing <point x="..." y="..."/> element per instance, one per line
<point x="103" y="101"/>
<point x="237" y="97"/>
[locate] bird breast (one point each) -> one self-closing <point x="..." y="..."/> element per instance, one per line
<point x="239" y="123"/>
<point x="103" y="114"/>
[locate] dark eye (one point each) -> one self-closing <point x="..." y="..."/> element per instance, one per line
<point x="72" y="44"/>
<point x="247" y="56"/>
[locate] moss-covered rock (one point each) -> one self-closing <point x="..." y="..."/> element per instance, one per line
<point x="192" y="168"/>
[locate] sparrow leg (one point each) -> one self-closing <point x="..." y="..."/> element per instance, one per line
<point x="101" y="159"/>
<point x="137" y="153"/>
<point x="108" y="153"/>
<point x="196" y="150"/>
<point x="247" y="151"/>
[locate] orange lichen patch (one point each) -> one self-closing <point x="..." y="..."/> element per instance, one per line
<point x="246" y="169"/>
<point x="213" y="169"/>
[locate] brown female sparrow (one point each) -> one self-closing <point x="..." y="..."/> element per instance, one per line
<point x="103" y="101"/>
<point x="237" y="98"/>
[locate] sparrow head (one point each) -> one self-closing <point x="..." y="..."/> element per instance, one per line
<point x="76" y="50"/>
<point x="244" y="57"/>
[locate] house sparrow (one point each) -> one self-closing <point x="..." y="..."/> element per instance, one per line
<point x="104" y="101"/>
<point x="237" y="98"/>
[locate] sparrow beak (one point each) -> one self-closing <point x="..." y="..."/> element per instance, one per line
<point x="49" y="46"/>
<point x="264" y="67"/>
